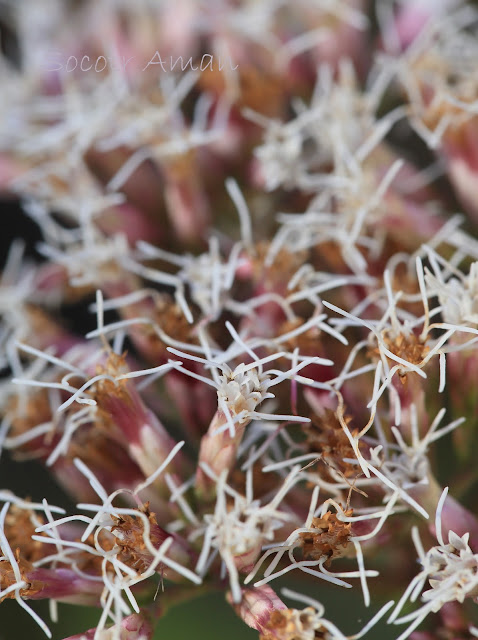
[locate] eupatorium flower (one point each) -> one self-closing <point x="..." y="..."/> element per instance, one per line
<point x="250" y="309"/>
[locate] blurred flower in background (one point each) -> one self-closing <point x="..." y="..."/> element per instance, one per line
<point x="239" y="318"/>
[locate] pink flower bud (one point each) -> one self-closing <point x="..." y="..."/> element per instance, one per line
<point x="218" y="451"/>
<point x="256" y="606"/>
<point x="137" y="626"/>
<point x="133" y="423"/>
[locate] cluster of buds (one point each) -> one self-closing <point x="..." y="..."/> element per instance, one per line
<point x="259" y="218"/>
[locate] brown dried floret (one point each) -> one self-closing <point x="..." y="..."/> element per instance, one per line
<point x="170" y="318"/>
<point x="20" y="525"/>
<point x="331" y="539"/>
<point x="114" y="366"/>
<point x="8" y="579"/>
<point x="129" y="532"/>
<point x="326" y="437"/>
<point x="291" y="624"/>
<point x="410" y="347"/>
